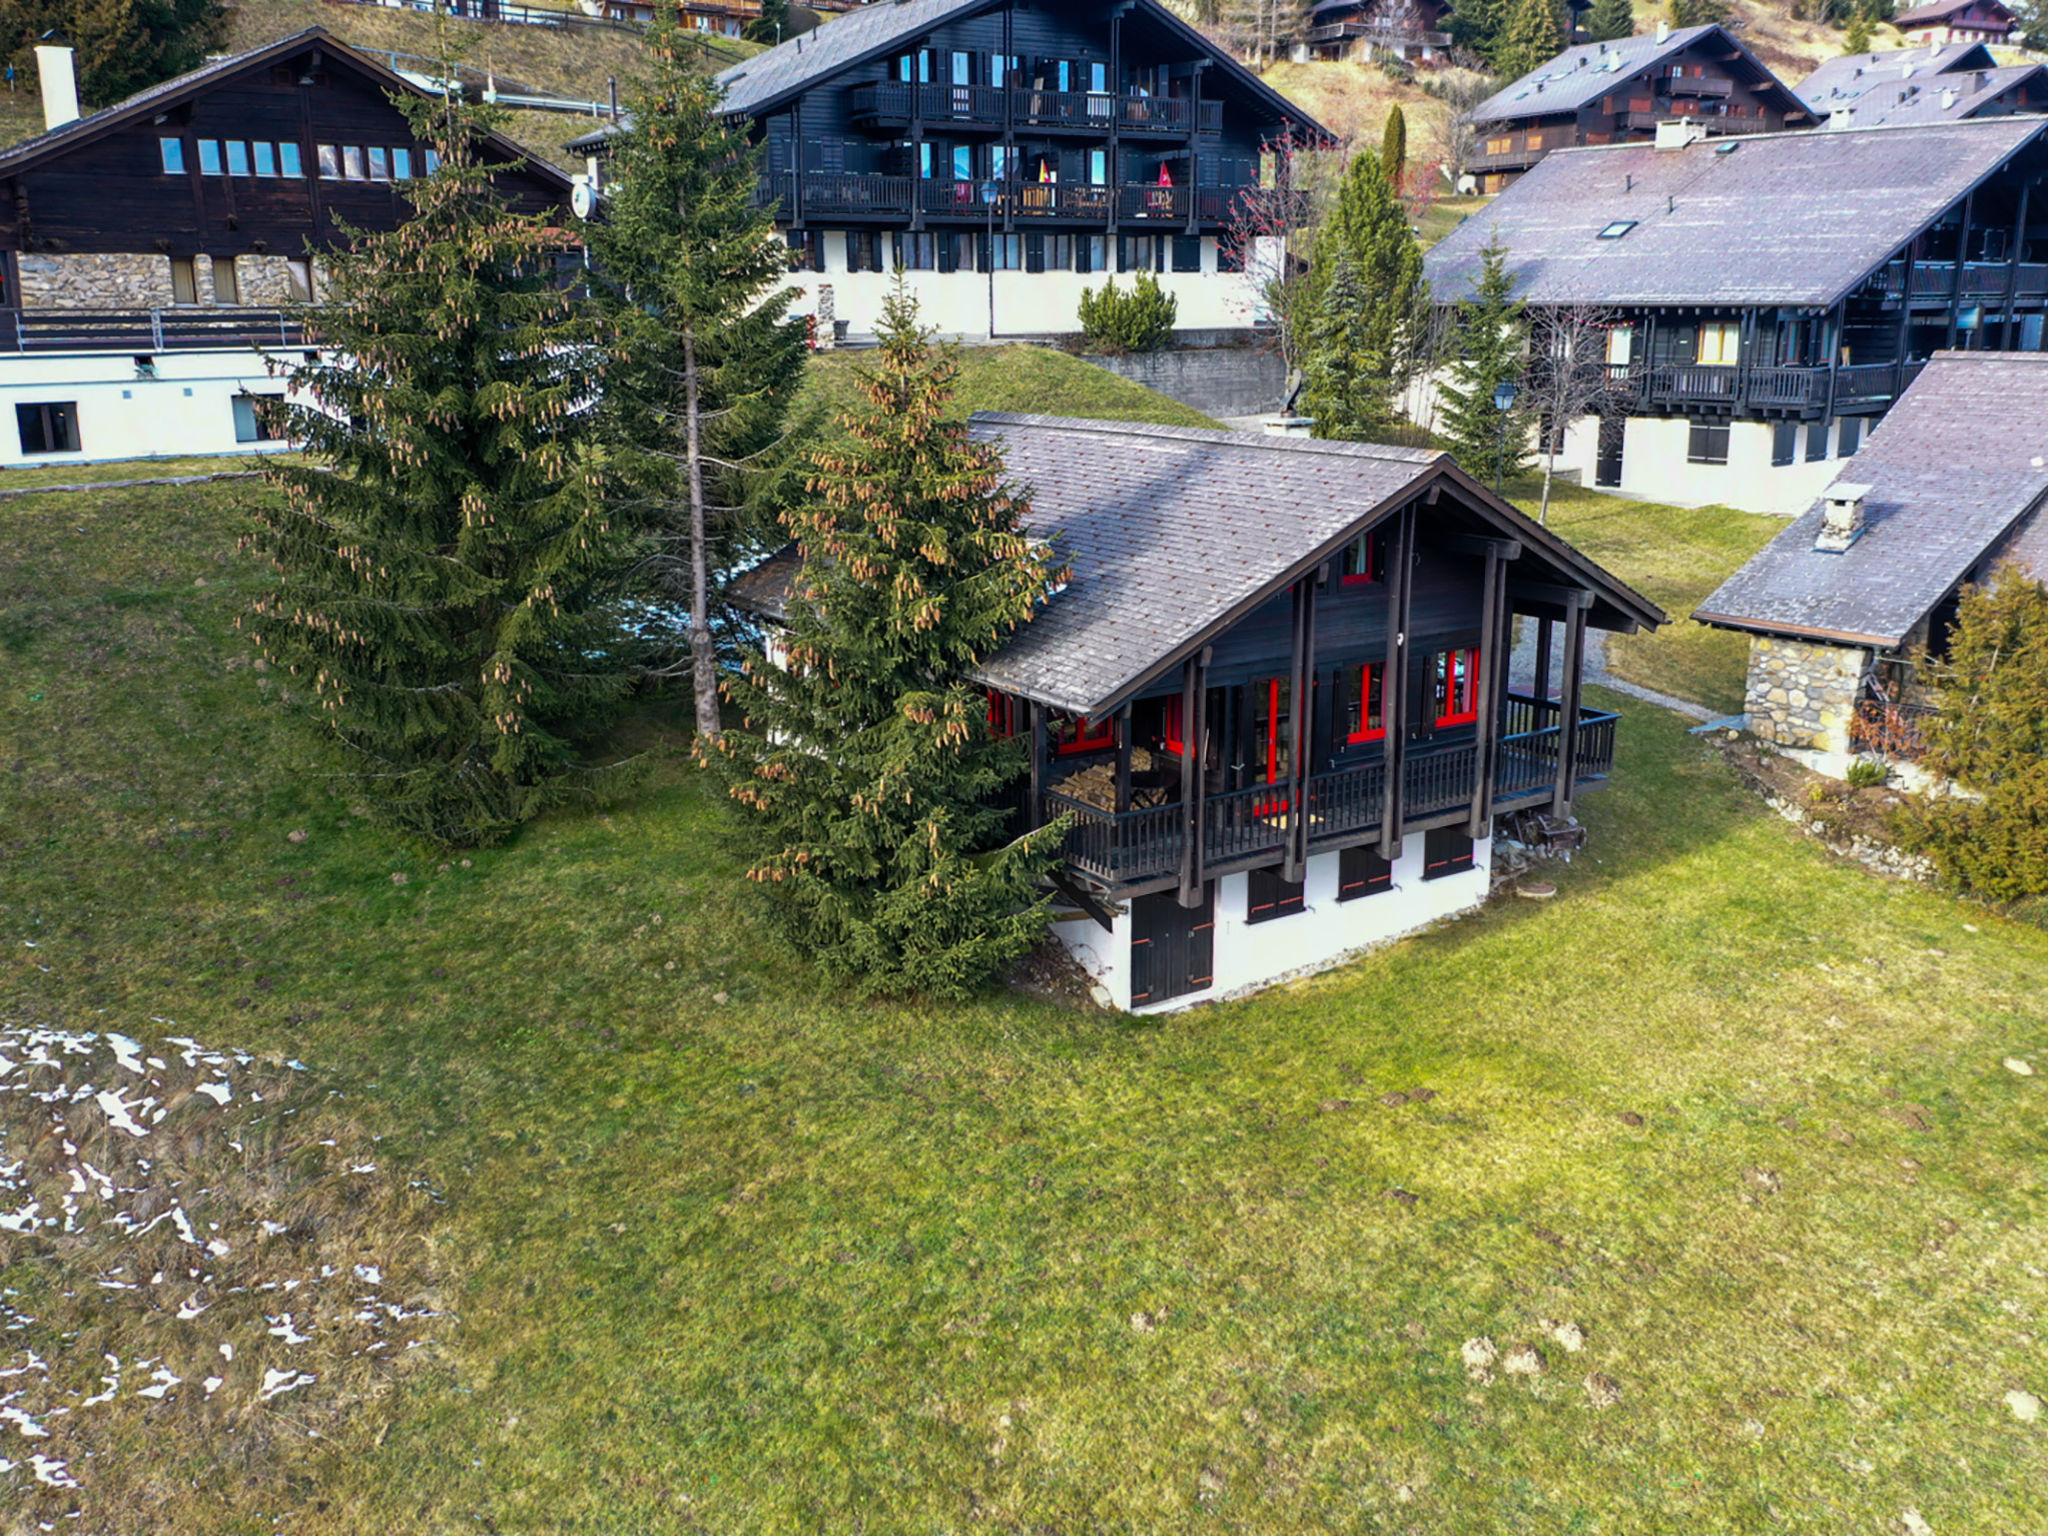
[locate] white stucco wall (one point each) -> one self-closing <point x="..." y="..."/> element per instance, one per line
<point x="1654" y="465"/>
<point x="956" y="304"/>
<point x="187" y="409"/>
<point x="1325" y="933"/>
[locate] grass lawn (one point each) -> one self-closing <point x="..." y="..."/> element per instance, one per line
<point x="787" y="1262"/>
<point x="1445" y="215"/>
<point x="1013" y="378"/>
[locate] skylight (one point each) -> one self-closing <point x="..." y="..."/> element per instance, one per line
<point x="1617" y="229"/>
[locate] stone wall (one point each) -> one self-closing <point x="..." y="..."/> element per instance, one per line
<point x="1217" y="381"/>
<point x="265" y="281"/>
<point x="1803" y="694"/>
<point x="98" y="282"/>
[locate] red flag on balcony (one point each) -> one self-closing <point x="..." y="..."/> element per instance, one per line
<point x="1165" y="180"/>
<point x="1044" y="172"/>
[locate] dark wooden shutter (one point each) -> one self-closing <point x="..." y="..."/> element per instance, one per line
<point x="1034" y="253"/>
<point x="1267" y="896"/>
<point x="1445" y="851"/>
<point x="1187" y="253"/>
<point x="948" y="250"/>
<point x="1362" y="872"/>
<point x="1172" y="947"/>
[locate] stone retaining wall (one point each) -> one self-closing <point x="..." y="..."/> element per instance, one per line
<point x="100" y="282"/>
<point x="1217" y="381"/>
<point x="1801" y="694"/>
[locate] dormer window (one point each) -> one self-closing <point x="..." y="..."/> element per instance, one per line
<point x="1617" y="229"/>
<point x="1365" y="559"/>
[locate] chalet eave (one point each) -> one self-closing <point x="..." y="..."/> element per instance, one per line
<point x="1794" y="631"/>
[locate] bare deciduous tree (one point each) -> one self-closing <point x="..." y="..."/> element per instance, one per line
<point x="1269" y="234"/>
<point x="1452" y="142"/>
<point x="1568" y="376"/>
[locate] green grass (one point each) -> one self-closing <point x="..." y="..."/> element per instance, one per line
<point x="1675" y="556"/>
<point x="791" y="1262"/>
<point x="1013" y="378"/>
<point x="1445" y="215"/>
<point x="129" y="469"/>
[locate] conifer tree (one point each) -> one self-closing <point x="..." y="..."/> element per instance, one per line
<point x="448" y="569"/>
<point x="686" y="272"/>
<point x="771" y="26"/>
<point x="1368" y="229"/>
<point x="1475" y="26"/>
<point x="1343" y="381"/>
<point x="1990" y="733"/>
<point x="864" y="766"/>
<point x="1857" y="38"/>
<point x="1531" y="35"/>
<point x="119" y="46"/>
<point x="1610" y="19"/>
<point x="1394" y="147"/>
<point x="1490" y="337"/>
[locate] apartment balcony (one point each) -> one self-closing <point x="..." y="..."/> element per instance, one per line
<point x="1504" y="160"/>
<point x="1760" y="389"/>
<point x="1248" y="827"/>
<point x="827" y="196"/>
<point x="1700" y="85"/>
<point x="1396" y="39"/>
<point x="893" y="105"/>
<point x="183" y="328"/>
<point x="1934" y="282"/>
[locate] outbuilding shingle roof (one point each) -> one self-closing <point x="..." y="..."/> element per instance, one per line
<point x="1586" y="73"/>
<point x="1778" y="218"/>
<point x="1846" y="81"/>
<point x="1172" y="532"/>
<point x="1951" y="97"/>
<point x="1958" y="473"/>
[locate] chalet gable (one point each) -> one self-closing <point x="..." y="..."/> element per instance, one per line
<point x="1584" y="75"/>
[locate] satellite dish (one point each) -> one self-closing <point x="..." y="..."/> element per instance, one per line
<point x="583" y="199"/>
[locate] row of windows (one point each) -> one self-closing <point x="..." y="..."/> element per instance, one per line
<point x="1707" y="442"/>
<point x="1360" y="872"/>
<point x="227" y="283"/>
<point x="869" y="250"/>
<point x="283" y="159"/>
<point x="51" y="426"/>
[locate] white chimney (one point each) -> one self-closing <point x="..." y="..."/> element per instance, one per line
<point x="1663" y="31"/>
<point x="1841" y="518"/>
<point x="1948" y="98"/>
<point x="1677" y="132"/>
<point x="1844" y="118"/>
<point x="59" y="79"/>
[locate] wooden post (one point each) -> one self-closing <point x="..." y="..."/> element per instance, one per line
<point x="1191" y="785"/>
<point x="1123" y="759"/>
<point x="1568" y="704"/>
<point x="1955" y="289"/>
<point x="1301" y="708"/>
<point x="2012" y="269"/>
<point x="1493" y="595"/>
<point x="1034" y="814"/>
<point x="1542" y="656"/>
<point x="1394" y="685"/>
<point x="1905" y="337"/>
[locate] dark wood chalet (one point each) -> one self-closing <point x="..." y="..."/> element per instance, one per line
<point x="1958" y="21"/>
<point x="1067" y="130"/>
<point x="1619" y="92"/>
<point x="190" y="214"/>
<point x="1276" y="685"/>
<point x="1405" y="29"/>
<point x="1765" y="300"/>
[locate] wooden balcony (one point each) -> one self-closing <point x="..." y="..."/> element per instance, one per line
<point x="1759" y="389"/>
<point x="1933" y="282"/>
<point x="193" y="328"/>
<point x="893" y="105"/>
<point x="1248" y="827"/>
<point x="1699" y="85"/>
<point x="827" y="196"/>
<point x="1394" y="38"/>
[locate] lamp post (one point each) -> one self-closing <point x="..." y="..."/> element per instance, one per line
<point x="1503" y="402"/>
<point x="990" y="191"/>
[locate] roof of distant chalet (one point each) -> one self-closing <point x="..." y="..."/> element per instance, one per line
<point x="1941" y="10"/>
<point x="1844" y="82"/>
<point x="1776" y="218"/>
<point x="1175" y="533"/>
<point x="1958" y="476"/>
<point x="1586" y="73"/>
<point x="17" y="158"/>
<point x="874" y="30"/>
<point x="1949" y="98"/>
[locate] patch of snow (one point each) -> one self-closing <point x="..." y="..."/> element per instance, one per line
<point x="220" y="1093"/>
<point x="278" y="1382"/>
<point x="117" y="1113"/>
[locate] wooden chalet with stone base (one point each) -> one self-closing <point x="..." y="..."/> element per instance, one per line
<point x="150" y="252"/>
<point x="1842" y="606"/>
<point x="1272" y="700"/>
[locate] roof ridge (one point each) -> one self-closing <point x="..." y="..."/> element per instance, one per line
<point x="1385" y="452"/>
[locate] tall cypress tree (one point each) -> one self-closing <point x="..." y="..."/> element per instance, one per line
<point x="448" y="569"/>
<point x="686" y="272"/>
<point x="1368" y="229"/>
<point x="864" y="766"/>
<point x="1491" y="339"/>
<point x="1609" y="20"/>
<point x="1394" y="146"/>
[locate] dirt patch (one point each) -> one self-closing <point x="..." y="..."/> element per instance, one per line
<point x="1857" y="824"/>
<point x="1051" y="974"/>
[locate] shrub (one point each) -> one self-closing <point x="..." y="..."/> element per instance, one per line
<point x="1138" y="321"/>
<point x="1866" y="773"/>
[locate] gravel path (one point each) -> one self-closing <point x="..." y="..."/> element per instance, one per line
<point x="1522" y="673"/>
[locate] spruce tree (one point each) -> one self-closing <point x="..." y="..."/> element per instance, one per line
<point x="1343" y="382"/>
<point x="119" y="46"/>
<point x="687" y="267"/>
<point x="1531" y="36"/>
<point x="1857" y="39"/>
<point x="771" y="26"/>
<point x="864" y="766"/>
<point x="448" y="570"/>
<point x="1490" y="338"/>
<point x="1990" y="734"/>
<point x="1475" y="26"/>
<point x="1394" y="147"/>
<point x="1610" y="19"/>
<point x="1367" y="228"/>
<point x="1698" y="13"/>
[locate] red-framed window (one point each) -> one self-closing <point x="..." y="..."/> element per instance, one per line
<point x="1005" y="713"/>
<point x="1173" y="734"/>
<point x="1365" y="559"/>
<point x="1457" y="686"/>
<point x="1273" y="736"/>
<point x="1362" y="714"/>
<point x="1077" y="733"/>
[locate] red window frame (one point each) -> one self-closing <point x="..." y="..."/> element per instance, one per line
<point x="1373" y="548"/>
<point x="1173" y="731"/>
<point x="1276" y="773"/>
<point x="1070" y="734"/>
<point x="1367" y="731"/>
<point x="1457" y="683"/>
<point x="1003" y="710"/>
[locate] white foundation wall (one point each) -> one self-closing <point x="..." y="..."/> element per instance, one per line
<point x="956" y="304"/>
<point x="1325" y="933"/>
<point x="1654" y="465"/>
<point x="185" y="411"/>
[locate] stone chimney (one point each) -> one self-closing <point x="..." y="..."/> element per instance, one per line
<point x="59" y="77"/>
<point x="1841" y="519"/>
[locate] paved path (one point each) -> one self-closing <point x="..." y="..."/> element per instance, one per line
<point x="1522" y="672"/>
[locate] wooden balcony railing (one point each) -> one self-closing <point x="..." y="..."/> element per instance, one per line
<point x="183" y="329"/>
<point x="828" y="194"/>
<point x="1935" y="280"/>
<point x="895" y="104"/>
<point x="1699" y="85"/>
<point x="1757" y="387"/>
<point x="1345" y="805"/>
<point x="1378" y="36"/>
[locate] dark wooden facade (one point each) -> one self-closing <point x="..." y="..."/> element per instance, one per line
<point x="268" y="154"/>
<point x="1071" y="118"/>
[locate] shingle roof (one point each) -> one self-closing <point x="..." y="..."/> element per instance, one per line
<point x="1952" y="470"/>
<point x="1171" y="531"/>
<point x="1941" y="10"/>
<point x="1778" y="218"/>
<point x="20" y="157"/>
<point x="1591" y="70"/>
<point x="1844" y="82"/>
<point x="1929" y="98"/>
<point x="768" y="78"/>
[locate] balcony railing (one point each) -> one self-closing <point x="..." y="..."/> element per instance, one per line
<point x="1378" y="36"/>
<point x="895" y="104"/>
<point x="1699" y="85"/>
<point x="1758" y="387"/>
<point x="1935" y="280"/>
<point x="831" y="194"/>
<point x="1346" y="805"/>
<point x="183" y="329"/>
